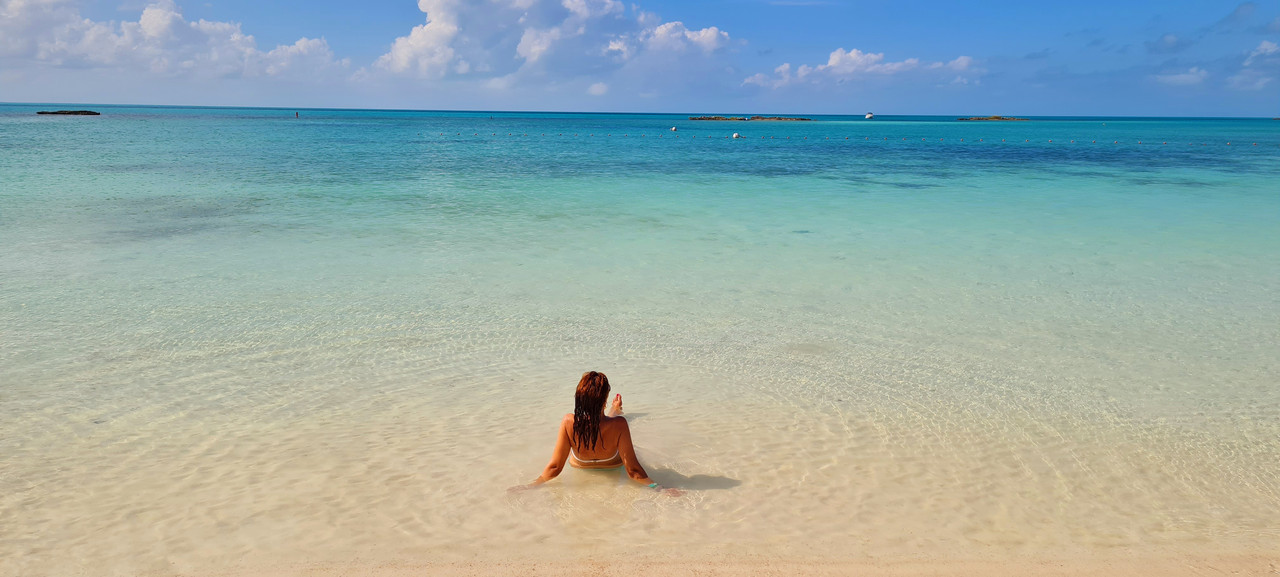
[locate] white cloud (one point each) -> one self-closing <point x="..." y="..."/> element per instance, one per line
<point x="620" y="45"/>
<point x="961" y="63"/>
<point x="675" y="36"/>
<point x="843" y="65"/>
<point x="1246" y="81"/>
<point x="1265" y="49"/>
<point x="668" y="37"/>
<point x="1260" y="68"/>
<point x="427" y="50"/>
<point x="598" y="89"/>
<point x="530" y="41"/>
<point x="781" y="77"/>
<point x="535" y="43"/>
<point x="161" y="41"/>
<point x="586" y="9"/>
<point x="23" y="23"/>
<point x="1192" y="76"/>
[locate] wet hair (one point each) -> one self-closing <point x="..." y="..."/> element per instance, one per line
<point x="588" y="405"/>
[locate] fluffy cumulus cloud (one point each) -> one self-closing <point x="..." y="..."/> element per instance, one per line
<point x="161" y="41"/>
<point x="428" y="49"/>
<point x="846" y="65"/>
<point x="504" y="42"/>
<point x="675" y="36"/>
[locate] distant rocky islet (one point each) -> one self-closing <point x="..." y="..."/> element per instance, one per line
<point x="748" y="118"/>
<point x="992" y="118"/>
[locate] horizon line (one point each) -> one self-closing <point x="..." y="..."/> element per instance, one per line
<point x="518" y="111"/>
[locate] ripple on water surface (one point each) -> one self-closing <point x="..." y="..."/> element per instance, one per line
<point x="351" y="346"/>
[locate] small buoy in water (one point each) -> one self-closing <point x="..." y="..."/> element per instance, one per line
<point x="673" y="129"/>
<point x="736" y="135"/>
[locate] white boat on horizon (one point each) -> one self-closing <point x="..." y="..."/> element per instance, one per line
<point x="870" y="116"/>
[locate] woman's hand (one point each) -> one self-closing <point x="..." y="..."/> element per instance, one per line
<point x="668" y="491"/>
<point x="616" y="408"/>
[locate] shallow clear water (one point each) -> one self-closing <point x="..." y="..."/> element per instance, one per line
<point x="231" y="337"/>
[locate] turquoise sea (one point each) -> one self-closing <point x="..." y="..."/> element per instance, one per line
<point x="232" y="337"/>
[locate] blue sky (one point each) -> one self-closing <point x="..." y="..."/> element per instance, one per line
<point x="773" y="56"/>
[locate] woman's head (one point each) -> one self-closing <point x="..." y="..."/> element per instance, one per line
<point x="588" y="407"/>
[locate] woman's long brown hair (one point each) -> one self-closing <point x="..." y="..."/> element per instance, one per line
<point x="588" y="405"/>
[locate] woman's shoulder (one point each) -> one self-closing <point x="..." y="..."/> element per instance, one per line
<point x="614" y="422"/>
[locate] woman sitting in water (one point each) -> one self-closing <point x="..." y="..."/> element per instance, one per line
<point x="590" y="438"/>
